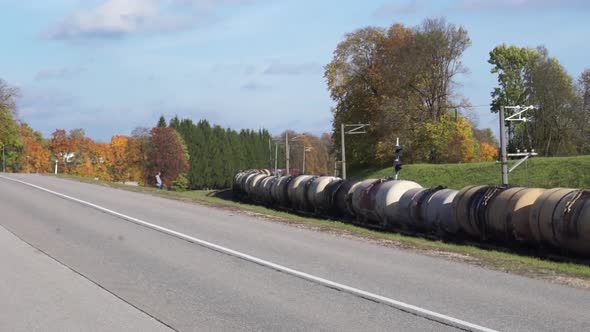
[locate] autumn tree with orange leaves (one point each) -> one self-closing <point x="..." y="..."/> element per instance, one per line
<point x="35" y="155"/>
<point x="488" y="152"/>
<point x="61" y="148"/>
<point x="137" y="154"/>
<point x="79" y="155"/>
<point x="117" y="159"/>
<point x="99" y="156"/>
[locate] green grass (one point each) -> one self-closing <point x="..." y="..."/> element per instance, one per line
<point x="569" y="172"/>
<point x="497" y="260"/>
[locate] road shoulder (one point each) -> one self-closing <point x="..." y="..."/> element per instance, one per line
<point x="40" y="294"/>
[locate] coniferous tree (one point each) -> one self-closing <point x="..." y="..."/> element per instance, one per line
<point x="174" y="122"/>
<point x="215" y="154"/>
<point x="162" y="122"/>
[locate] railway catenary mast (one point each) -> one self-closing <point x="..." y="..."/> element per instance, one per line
<point x="516" y="117"/>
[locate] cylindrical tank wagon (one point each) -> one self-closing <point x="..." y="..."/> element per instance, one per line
<point x="251" y="183"/>
<point x="325" y="201"/>
<point x="302" y="202"/>
<point x="507" y="215"/>
<point x="280" y="189"/>
<point x="241" y="179"/>
<point x="561" y="218"/>
<point x="410" y="204"/>
<point x="364" y="202"/>
<point x="387" y="202"/>
<point x="235" y="184"/>
<point x="262" y="190"/>
<point x="437" y="212"/>
<point x="267" y="197"/>
<point x="317" y="194"/>
<point x="470" y="207"/>
<point x="296" y="191"/>
<point x="343" y="198"/>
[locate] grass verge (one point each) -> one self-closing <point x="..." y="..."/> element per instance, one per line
<point x="573" y="274"/>
<point x="567" y="172"/>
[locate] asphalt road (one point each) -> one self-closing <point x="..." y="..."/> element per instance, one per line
<point x="189" y="287"/>
<point x="40" y="294"/>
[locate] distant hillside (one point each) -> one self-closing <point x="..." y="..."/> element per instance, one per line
<point x="571" y="172"/>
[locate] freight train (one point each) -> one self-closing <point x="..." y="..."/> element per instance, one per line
<point x="547" y="218"/>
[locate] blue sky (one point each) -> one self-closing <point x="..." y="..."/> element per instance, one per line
<point x="110" y="66"/>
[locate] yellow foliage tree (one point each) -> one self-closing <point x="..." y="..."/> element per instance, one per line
<point x="446" y="140"/>
<point x="433" y="139"/>
<point x="136" y="147"/>
<point x="465" y="141"/>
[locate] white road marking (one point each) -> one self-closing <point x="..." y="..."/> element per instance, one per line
<point x="425" y="313"/>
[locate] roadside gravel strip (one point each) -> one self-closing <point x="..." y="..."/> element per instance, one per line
<point x="38" y="293"/>
<point x="425" y="313"/>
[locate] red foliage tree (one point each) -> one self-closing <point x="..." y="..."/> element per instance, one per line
<point x="165" y="154"/>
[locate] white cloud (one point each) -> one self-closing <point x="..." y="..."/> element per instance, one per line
<point x="117" y="18"/>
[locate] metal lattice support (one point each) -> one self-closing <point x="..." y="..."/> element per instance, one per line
<point x="516" y="117"/>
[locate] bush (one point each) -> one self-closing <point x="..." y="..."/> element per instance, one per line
<point x="181" y="183"/>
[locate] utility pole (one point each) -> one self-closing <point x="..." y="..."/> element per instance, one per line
<point x="343" y="152"/>
<point x="287" y="152"/>
<point x="305" y="149"/>
<point x="503" y="143"/>
<point x="3" y="160"/>
<point x="276" y="157"/>
<point x="356" y="129"/>
<point x="303" y="164"/>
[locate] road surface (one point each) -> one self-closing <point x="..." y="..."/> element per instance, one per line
<point x="144" y="279"/>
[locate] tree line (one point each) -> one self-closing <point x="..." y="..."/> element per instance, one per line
<point x="403" y="82"/>
<point x="189" y="155"/>
<point x="529" y="76"/>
